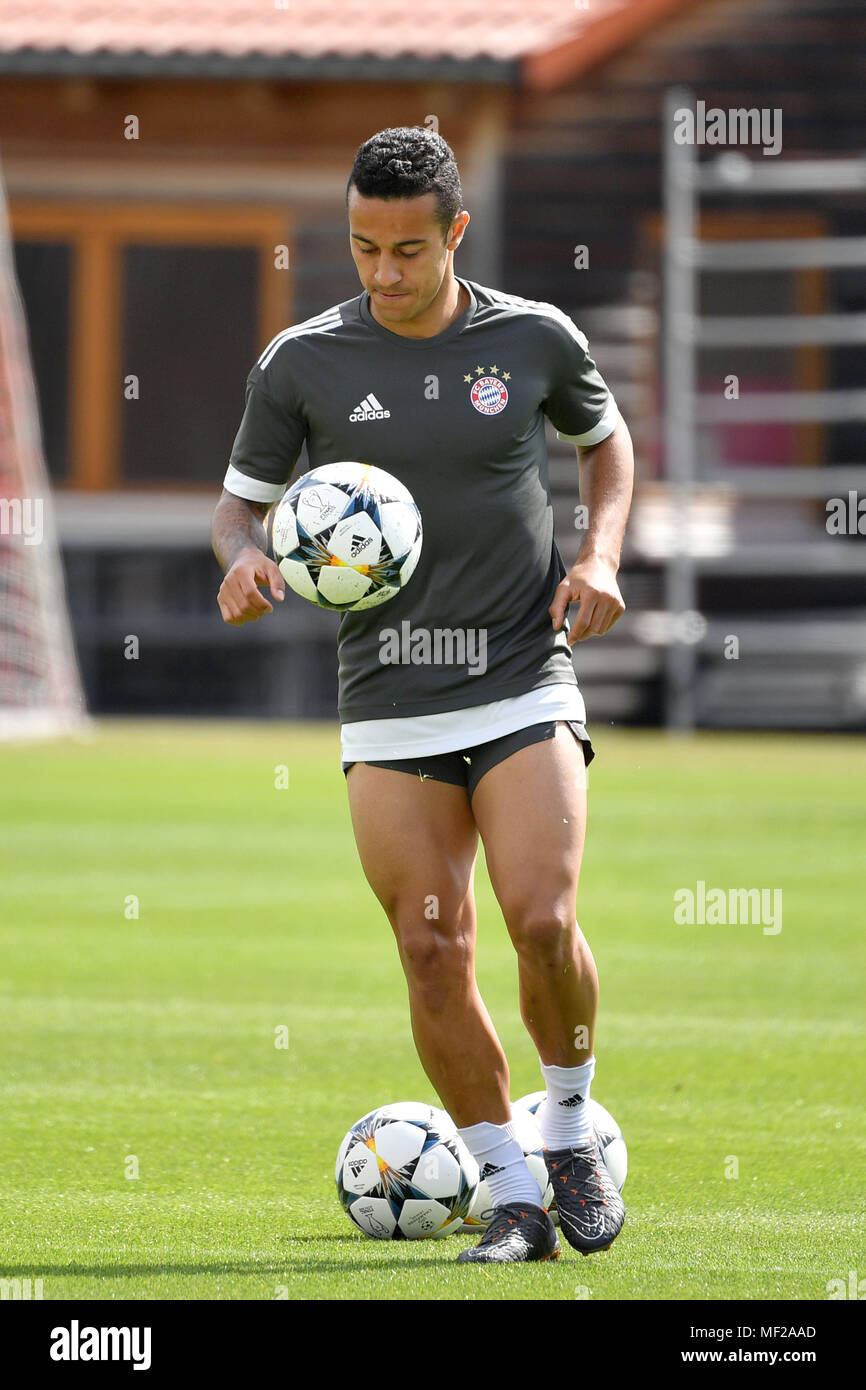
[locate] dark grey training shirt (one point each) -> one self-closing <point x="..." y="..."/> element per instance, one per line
<point x="459" y="419"/>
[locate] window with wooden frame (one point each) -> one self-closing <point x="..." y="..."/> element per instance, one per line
<point x="144" y="320"/>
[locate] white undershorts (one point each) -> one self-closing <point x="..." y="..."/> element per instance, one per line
<point x="383" y="740"/>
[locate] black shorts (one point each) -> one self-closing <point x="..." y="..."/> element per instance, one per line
<point x="466" y="767"/>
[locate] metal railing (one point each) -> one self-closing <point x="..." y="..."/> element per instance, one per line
<point x="686" y="256"/>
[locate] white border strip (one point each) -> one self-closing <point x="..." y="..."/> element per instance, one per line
<point x="251" y="489"/>
<point x="606" y="426"/>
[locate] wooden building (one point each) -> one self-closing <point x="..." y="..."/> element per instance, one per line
<point x="176" y="179"/>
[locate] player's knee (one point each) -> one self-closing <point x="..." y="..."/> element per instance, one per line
<point x="435" y="959"/>
<point x="544" y="931"/>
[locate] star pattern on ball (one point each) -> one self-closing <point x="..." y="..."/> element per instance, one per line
<point x="401" y="1176"/>
<point x="310" y="551"/>
<point x="353" y="529"/>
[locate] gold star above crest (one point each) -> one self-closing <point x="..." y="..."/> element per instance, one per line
<point x="480" y="371"/>
<point x="506" y="376"/>
<point x="468" y="376"/>
<point x="494" y="371"/>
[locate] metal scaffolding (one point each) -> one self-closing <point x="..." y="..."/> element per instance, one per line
<point x="686" y="256"/>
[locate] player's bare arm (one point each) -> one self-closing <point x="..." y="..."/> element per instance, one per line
<point x="606" y="483"/>
<point x="240" y="546"/>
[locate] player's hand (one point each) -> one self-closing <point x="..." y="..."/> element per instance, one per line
<point x="239" y="598"/>
<point x="592" y="583"/>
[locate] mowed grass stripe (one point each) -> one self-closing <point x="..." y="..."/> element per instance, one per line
<point x="154" y="1037"/>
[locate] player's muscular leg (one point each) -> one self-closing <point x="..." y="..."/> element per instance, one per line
<point x="417" y="841"/>
<point x="531" y="811"/>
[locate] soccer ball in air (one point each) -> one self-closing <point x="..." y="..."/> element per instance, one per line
<point x="404" y="1173"/>
<point x="528" y="1136"/>
<point x="347" y="536"/>
<point x="611" y="1144"/>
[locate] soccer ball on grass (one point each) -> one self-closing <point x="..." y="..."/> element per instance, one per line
<point x="404" y="1173"/>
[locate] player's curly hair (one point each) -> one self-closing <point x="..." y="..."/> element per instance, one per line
<point x="407" y="162"/>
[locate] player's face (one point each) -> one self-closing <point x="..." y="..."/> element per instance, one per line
<point x="402" y="255"/>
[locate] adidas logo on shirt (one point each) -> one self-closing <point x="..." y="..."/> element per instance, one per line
<point x="370" y="409"/>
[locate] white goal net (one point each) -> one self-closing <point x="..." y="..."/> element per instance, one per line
<point x="40" y="685"/>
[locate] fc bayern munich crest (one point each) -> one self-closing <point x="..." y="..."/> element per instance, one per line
<point x="489" y="395"/>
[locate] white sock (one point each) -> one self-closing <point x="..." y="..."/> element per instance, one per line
<point x="502" y="1163"/>
<point x="564" y="1119"/>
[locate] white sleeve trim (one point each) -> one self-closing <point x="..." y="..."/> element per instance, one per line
<point x="606" y="425"/>
<point x="251" y="489"/>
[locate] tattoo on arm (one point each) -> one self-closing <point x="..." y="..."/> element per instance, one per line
<point x="237" y="526"/>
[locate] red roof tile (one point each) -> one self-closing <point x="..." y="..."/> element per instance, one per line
<point x="501" y="30"/>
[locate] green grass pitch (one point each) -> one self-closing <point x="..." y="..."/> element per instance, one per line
<point x="156" y="1143"/>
